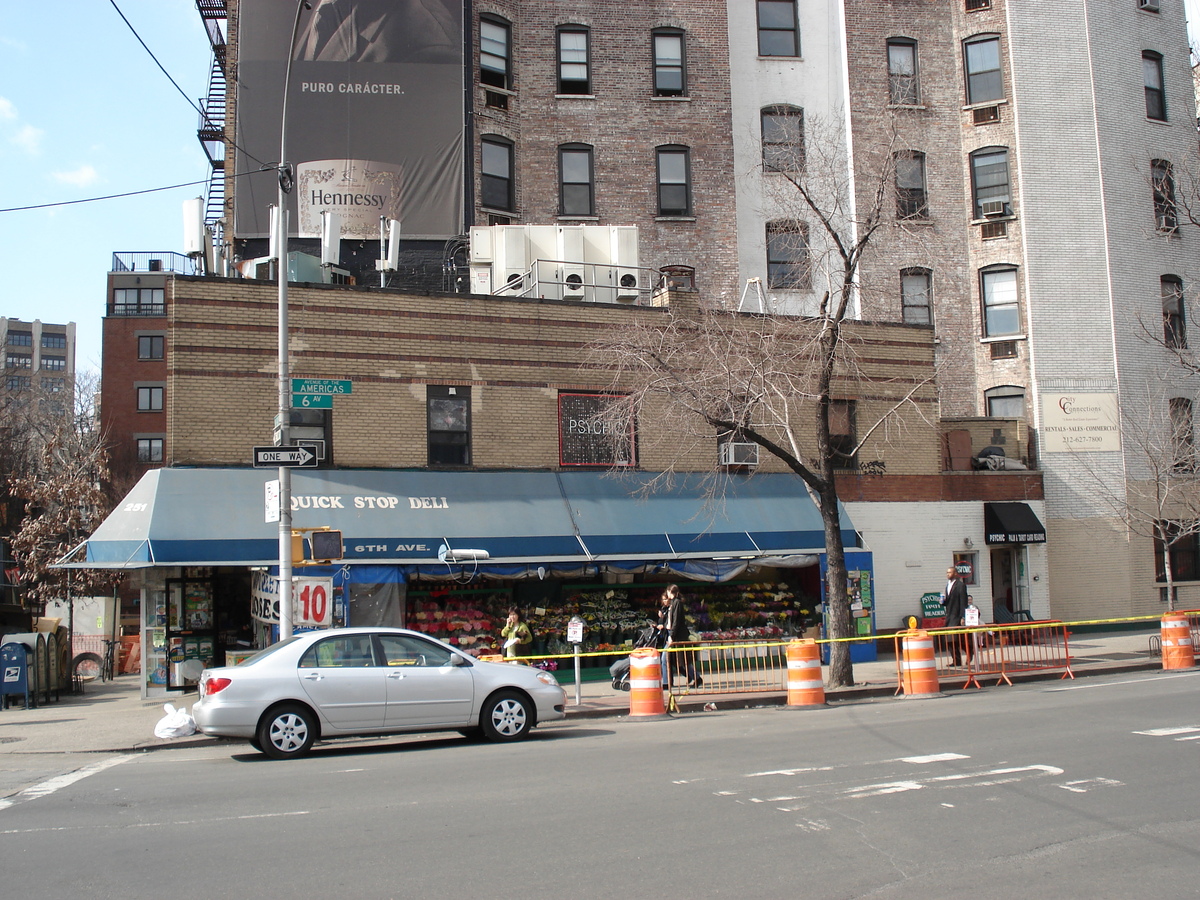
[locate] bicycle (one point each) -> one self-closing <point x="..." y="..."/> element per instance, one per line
<point x="90" y="666"/>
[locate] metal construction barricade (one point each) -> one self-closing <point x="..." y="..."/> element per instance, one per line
<point x="1193" y="617"/>
<point x="1001" y="651"/>
<point x="725" y="667"/>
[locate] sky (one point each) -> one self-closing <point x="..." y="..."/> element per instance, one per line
<point x="93" y="118"/>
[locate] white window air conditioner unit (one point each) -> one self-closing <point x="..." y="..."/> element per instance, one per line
<point x="627" y="288"/>
<point x="1151" y="5"/>
<point x="739" y="454"/>
<point x="992" y="208"/>
<point x="573" y="287"/>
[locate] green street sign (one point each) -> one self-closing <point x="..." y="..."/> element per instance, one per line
<point x="312" y="401"/>
<point x="321" y="386"/>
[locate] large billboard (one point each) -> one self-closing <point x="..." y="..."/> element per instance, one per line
<point x="375" y="115"/>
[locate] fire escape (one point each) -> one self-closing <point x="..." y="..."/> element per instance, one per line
<point x="211" y="131"/>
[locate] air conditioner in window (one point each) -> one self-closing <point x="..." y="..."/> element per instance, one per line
<point x="1151" y="5"/>
<point x="739" y="454"/>
<point x="992" y="208"/>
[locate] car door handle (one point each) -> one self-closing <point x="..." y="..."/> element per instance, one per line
<point x="314" y="676"/>
<point x="396" y="675"/>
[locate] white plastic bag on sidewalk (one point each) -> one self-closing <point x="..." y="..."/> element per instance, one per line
<point x="176" y="723"/>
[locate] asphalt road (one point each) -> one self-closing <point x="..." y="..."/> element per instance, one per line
<point x="1051" y="789"/>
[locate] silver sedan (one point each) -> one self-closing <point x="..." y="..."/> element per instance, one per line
<point x="363" y="681"/>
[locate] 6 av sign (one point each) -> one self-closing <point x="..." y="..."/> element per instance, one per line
<point x="291" y="457"/>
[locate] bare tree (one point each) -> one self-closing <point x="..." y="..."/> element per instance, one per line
<point x="787" y="383"/>
<point x="58" y="478"/>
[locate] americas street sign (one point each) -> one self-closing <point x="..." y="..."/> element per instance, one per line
<point x="292" y="457"/>
<point x="328" y="386"/>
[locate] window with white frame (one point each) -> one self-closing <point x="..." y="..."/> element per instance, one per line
<point x="1001" y="309"/>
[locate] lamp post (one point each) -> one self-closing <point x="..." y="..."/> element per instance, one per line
<point x="284" y="172"/>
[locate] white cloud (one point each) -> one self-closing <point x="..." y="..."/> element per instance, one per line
<point x="7" y="110"/>
<point x="80" y="177"/>
<point x="29" y="139"/>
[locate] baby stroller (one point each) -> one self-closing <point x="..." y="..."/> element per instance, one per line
<point x="647" y="637"/>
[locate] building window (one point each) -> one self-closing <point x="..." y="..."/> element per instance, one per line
<point x="1001" y="312"/>
<point x="1174" y="324"/>
<point x="915" y="305"/>
<point x="150" y="346"/>
<point x="990" y="182"/>
<point x="985" y="84"/>
<point x="138" y="302"/>
<point x="449" y="413"/>
<point x="150" y="450"/>
<point x="842" y="433"/>
<point x="54" y="341"/>
<point x="574" y="66"/>
<point x="782" y="138"/>
<point x="1005" y="402"/>
<point x="1185" y="553"/>
<point x="976" y="5"/>
<point x="54" y="363"/>
<point x="495" y="41"/>
<point x="674" y="188"/>
<point x="911" y="199"/>
<point x="1156" y="97"/>
<point x="150" y="399"/>
<point x="1183" y="434"/>
<point x="1148" y="5"/>
<point x="17" y="382"/>
<point x="670" y="72"/>
<point x="18" y="361"/>
<point x="585" y="438"/>
<point x="496" y="174"/>
<point x="20" y="339"/>
<point x="787" y="256"/>
<point x="778" y="28"/>
<point x="54" y="385"/>
<point x="1162" y="181"/>
<point x="903" y="88"/>
<point x="576" y="174"/>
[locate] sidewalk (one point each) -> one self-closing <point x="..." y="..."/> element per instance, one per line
<point x="112" y="717"/>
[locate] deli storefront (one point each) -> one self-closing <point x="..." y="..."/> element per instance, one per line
<point x="447" y="552"/>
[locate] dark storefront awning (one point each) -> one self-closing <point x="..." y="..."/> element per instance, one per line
<point x="1012" y="523"/>
<point x="206" y="517"/>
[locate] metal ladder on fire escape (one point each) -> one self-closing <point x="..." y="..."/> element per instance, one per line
<point x="211" y="131"/>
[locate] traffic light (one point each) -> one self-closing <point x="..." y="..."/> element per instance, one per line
<point x="326" y="545"/>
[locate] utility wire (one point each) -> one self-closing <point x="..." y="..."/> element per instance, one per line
<point x="169" y="187"/>
<point x="191" y="103"/>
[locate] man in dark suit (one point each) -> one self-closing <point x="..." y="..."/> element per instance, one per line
<point x="955" y="600"/>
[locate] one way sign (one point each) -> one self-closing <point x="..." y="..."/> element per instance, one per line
<point x="295" y="457"/>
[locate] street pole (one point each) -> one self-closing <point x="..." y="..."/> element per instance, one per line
<point x="284" y="173"/>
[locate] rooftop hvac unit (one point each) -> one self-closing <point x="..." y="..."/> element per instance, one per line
<point x="739" y="454"/>
<point x="571" y="255"/>
<point x="992" y="208"/>
<point x="627" y="288"/>
<point x="481" y="244"/>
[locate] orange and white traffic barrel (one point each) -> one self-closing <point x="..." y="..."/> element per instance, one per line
<point x="645" y="683"/>
<point x="805" y="686"/>
<point x="1177" y="649"/>
<point x="918" y="668"/>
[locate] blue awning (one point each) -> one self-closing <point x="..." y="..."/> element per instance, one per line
<point x="207" y="517"/>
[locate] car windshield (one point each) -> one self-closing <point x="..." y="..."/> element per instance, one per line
<point x="263" y="654"/>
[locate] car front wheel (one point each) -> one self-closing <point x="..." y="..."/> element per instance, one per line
<point x="287" y="732"/>
<point x="507" y="716"/>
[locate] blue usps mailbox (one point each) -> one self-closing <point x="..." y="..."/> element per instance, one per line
<point x="14" y="673"/>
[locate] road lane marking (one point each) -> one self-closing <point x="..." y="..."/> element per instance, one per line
<point x="1104" y="684"/>
<point x="933" y="757"/>
<point x="58" y="782"/>
<point x="1004" y="776"/>
<point x="1081" y="786"/>
<point x="1169" y="732"/>
<point x="303" y="812"/>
